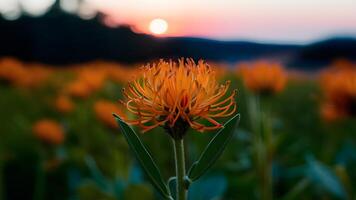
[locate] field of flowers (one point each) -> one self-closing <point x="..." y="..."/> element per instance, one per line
<point x="58" y="139"/>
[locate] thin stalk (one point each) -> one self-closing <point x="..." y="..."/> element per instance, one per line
<point x="181" y="192"/>
<point x="40" y="182"/>
<point x="262" y="144"/>
<point x="267" y="182"/>
<point x="297" y="189"/>
<point x="2" y="196"/>
<point x="267" y="161"/>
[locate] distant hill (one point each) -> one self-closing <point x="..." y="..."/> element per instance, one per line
<point x="321" y="53"/>
<point x="60" y="38"/>
<point x="223" y="50"/>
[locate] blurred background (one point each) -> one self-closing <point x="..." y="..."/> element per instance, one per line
<point x="63" y="64"/>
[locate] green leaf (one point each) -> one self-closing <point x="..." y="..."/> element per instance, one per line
<point x="144" y="157"/>
<point x="172" y="183"/>
<point x="214" y="149"/>
<point x="104" y="184"/>
<point x="323" y="176"/>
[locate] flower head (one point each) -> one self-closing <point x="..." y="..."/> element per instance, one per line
<point x="15" y="73"/>
<point x="64" y="104"/>
<point x="103" y="110"/>
<point x="48" y="131"/>
<point x="176" y="95"/>
<point x="339" y="87"/>
<point x="78" y="89"/>
<point x="264" y="77"/>
<point x="11" y="70"/>
<point x="87" y="82"/>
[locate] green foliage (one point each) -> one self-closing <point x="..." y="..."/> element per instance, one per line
<point x="324" y="177"/>
<point x="214" y="149"/>
<point x="89" y="191"/>
<point x="144" y="157"/>
<point x="294" y="118"/>
<point x="139" y="192"/>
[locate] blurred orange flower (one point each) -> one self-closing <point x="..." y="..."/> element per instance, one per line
<point x="64" y="104"/>
<point x="120" y="75"/>
<point x="329" y="112"/>
<point x="37" y="74"/>
<point x="342" y="64"/>
<point x="93" y="78"/>
<point x="116" y="72"/>
<point x="88" y="80"/>
<point x="48" y="131"/>
<point x="11" y="70"/>
<point x="15" y="73"/>
<point x="78" y="89"/>
<point x="220" y="69"/>
<point x="176" y="95"/>
<point x="104" y="109"/>
<point x="264" y="77"/>
<point x="339" y="88"/>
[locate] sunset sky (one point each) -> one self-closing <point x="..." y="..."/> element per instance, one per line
<point x="273" y="20"/>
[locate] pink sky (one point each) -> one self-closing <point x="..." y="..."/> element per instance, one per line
<point x="272" y="20"/>
<point x="298" y="21"/>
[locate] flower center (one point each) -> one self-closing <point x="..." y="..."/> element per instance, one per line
<point x="352" y="107"/>
<point x="184" y="101"/>
<point x="178" y="130"/>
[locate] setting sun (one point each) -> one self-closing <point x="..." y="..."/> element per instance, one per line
<point x="158" y="26"/>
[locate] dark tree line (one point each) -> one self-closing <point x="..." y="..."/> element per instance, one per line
<point x="61" y="38"/>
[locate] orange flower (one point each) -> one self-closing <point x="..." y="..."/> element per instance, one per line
<point x="115" y="72"/>
<point x="339" y="87"/>
<point x="263" y="77"/>
<point x="342" y="64"/>
<point x="64" y="104"/>
<point x="48" y="131"/>
<point x="104" y="110"/>
<point x="11" y="70"/>
<point x="220" y="69"/>
<point x="88" y="81"/>
<point x="94" y="79"/>
<point x="38" y="75"/>
<point x="177" y="95"/>
<point x="78" y="89"/>
<point x="329" y="112"/>
<point x="15" y="73"/>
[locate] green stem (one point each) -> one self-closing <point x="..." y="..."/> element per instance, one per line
<point x="297" y="190"/>
<point x="267" y="182"/>
<point x="2" y="196"/>
<point x="268" y="157"/>
<point x="180" y="169"/>
<point x="40" y="182"/>
<point x="262" y="144"/>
